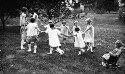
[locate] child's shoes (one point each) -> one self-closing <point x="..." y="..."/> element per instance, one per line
<point x="79" y="53"/>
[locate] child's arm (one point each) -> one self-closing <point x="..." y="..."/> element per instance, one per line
<point x="38" y="29"/>
<point x="40" y="21"/>
<point x="26" y="27"/>
<point x="42" y="31"/>
<point x="68" y="35"/>
<point x="86" y="29"/>
<point x="68" y="30"/>
<point x="57" y="27"/>
<point x="83" y="32"/>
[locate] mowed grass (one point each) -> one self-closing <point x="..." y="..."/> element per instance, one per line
<point x="107" y="30"/>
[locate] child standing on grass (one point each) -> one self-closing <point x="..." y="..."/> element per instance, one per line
<point x="54" y="39"/>
<point x="64" y="30"/>
<point x="89" y="35"/>
<point x="23" y="23"/>
<point x="75" y="26"/>
<point x="79" y="42"/>
<point x="113" y="56"/>
<point x="48" y="25"/>
<point x="32" y="29"/>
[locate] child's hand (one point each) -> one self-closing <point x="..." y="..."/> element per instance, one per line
<point x="70" y="36"/>
<point x="83" y="32"/>
<point x="42" y="31"/>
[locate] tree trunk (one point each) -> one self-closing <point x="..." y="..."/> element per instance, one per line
<point x="3" y="20"/>
<point x="4" y="25"/>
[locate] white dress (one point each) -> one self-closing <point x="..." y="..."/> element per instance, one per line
<point x="79" y="42"/>
<point x="23" y="25"/>
<point x="53" y="37"/>
<point x="64" y="30"/>
<point x="89" y="34"/>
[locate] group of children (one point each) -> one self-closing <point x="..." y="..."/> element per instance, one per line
<point x="30" y="32"/>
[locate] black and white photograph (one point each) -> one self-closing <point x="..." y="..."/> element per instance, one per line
<point x="62" y="36"/>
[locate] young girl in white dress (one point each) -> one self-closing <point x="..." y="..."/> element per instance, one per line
<point x="54" y="39"/>
<point x="23" y="24"/>
<point x="64" y="30"/>
<point x="79" y="42"/>
<point x="89" y="34"/>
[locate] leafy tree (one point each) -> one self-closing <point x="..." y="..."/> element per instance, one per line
<point x="7" y="8"/>
<point x="10" y="7"/>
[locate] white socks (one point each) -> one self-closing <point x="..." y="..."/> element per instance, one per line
<point x="29" y="46"/>
<point x="60" y="51"/>
<point x="51" y="51"/>
<point x="91" y="48"/>
<point x="35" y="47"/>
<point x="22" y="43"/>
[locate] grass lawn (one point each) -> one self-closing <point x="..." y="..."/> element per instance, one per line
<point x="107" y="30"/>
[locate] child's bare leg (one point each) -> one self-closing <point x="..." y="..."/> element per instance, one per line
<point x="60" y="51"/>
<point x="91" y="47"/>
<point x="22" y="44"/>
<point x="64" y="40"/>
<point x="51" y="49"/>
<point x="81" y="50"/>
<point x="88" y="46"/>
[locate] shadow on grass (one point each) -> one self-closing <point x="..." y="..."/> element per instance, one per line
<point x="10" y="29"/>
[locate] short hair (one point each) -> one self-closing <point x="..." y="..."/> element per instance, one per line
<point x="51" y="25"/>
<point x="32" y="20"/>
<point x="36" y="10"/>
<point x="77" y="29"/>
<point x="24" y="9"/>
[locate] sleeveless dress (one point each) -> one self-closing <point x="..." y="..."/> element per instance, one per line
<point x="89" y="34"/>
<point x="79" y="42"/>
<point x="64" y="30"/>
